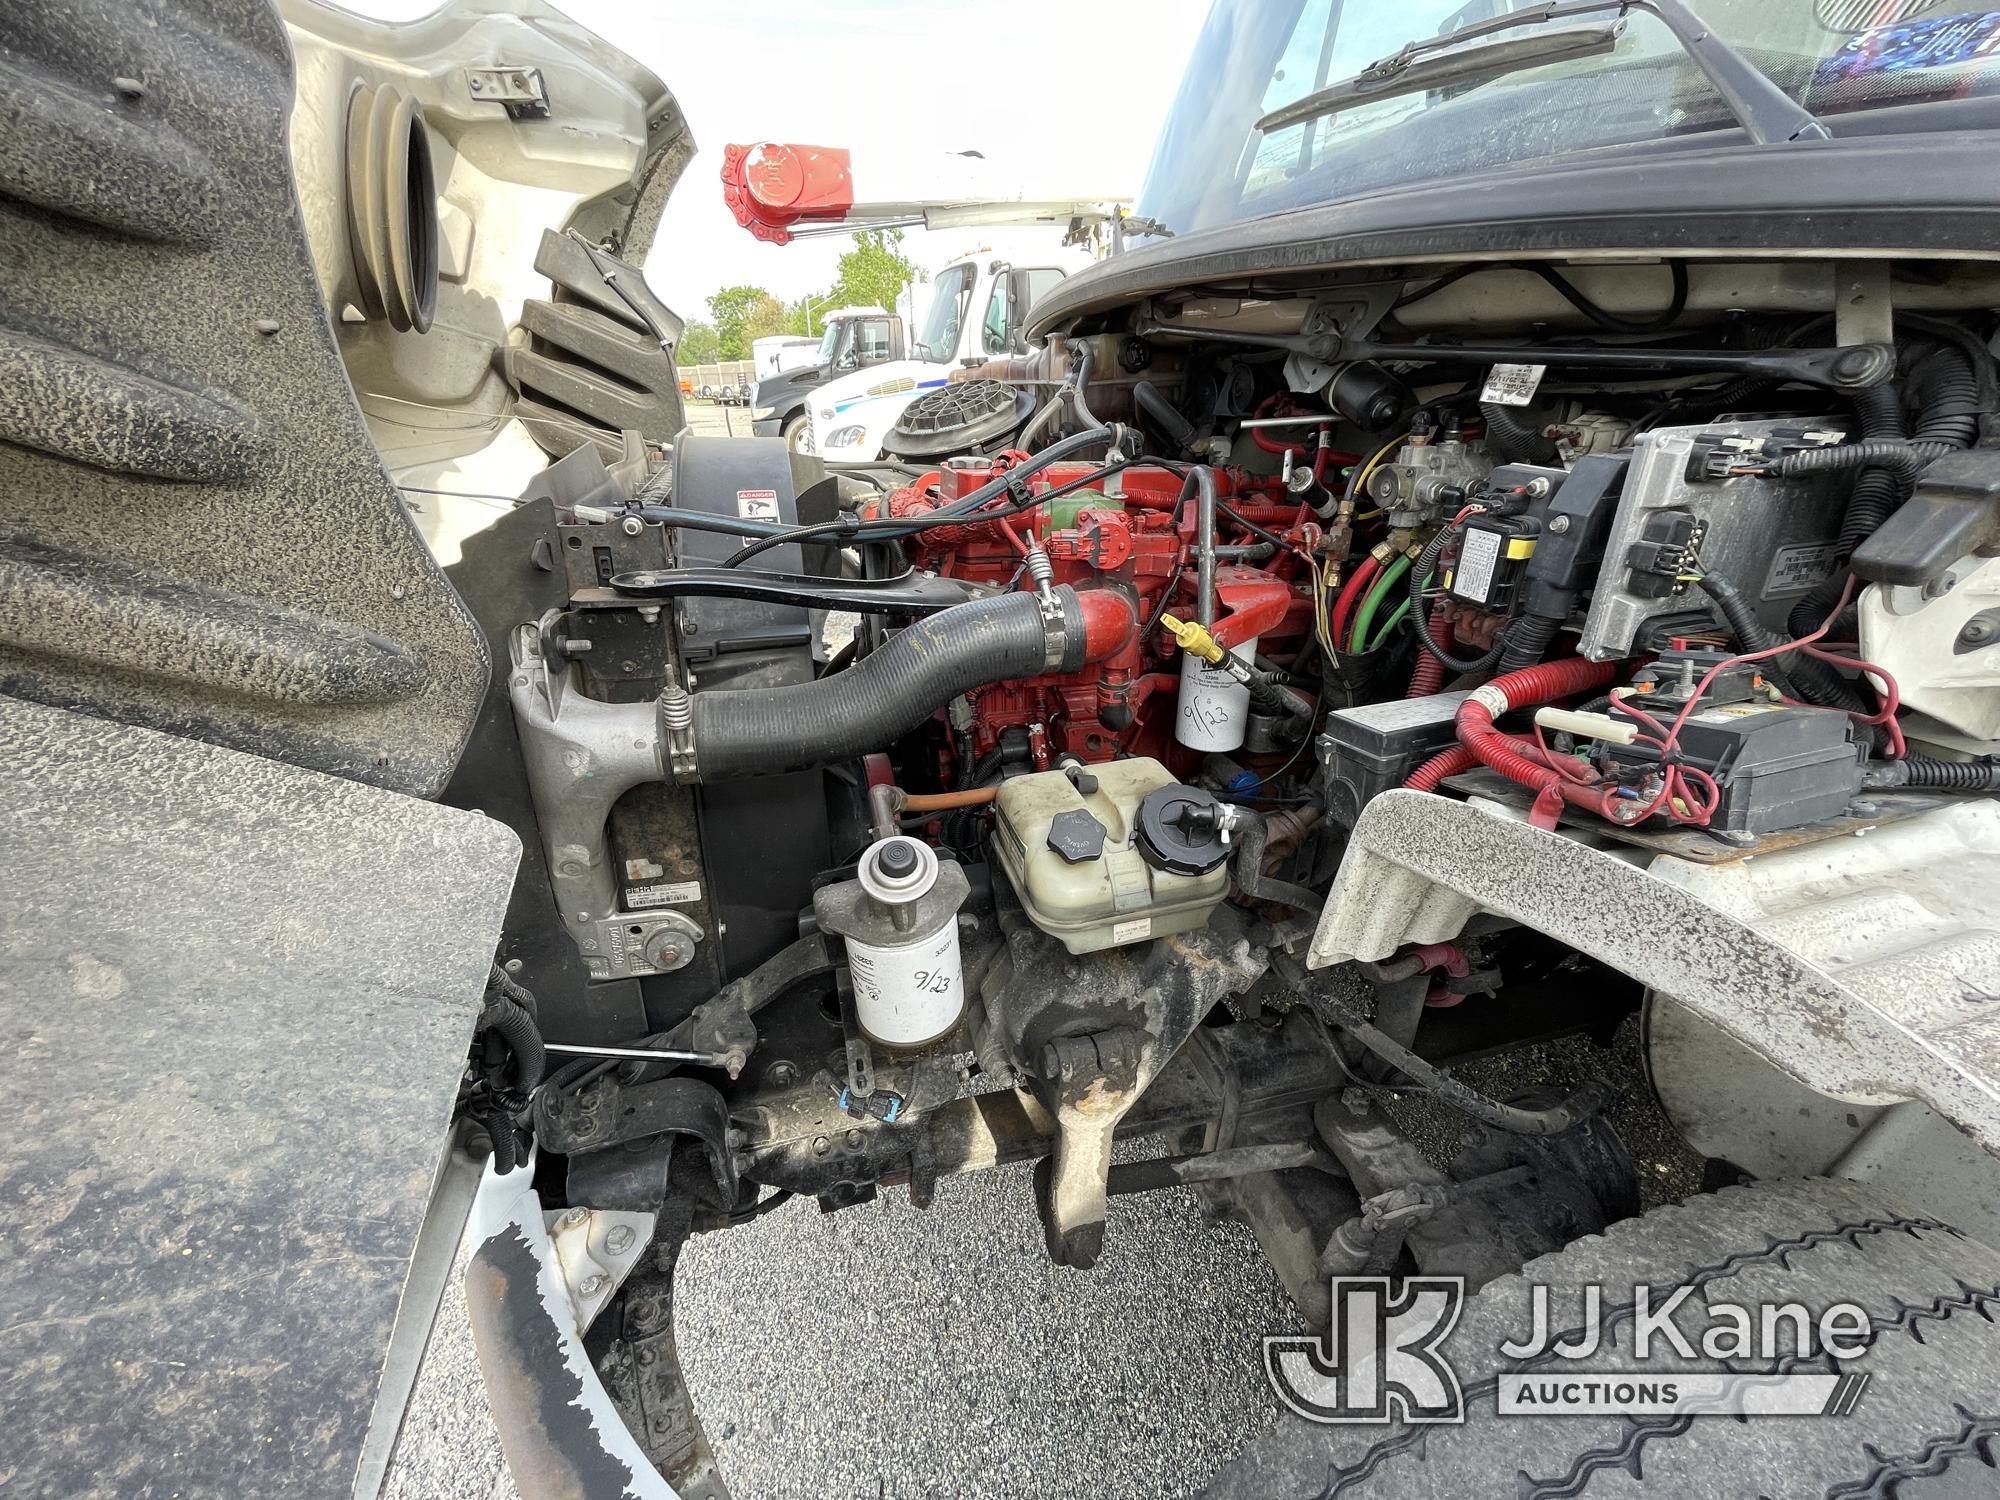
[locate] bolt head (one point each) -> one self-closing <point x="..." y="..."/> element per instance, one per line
<point x="1977" y="631"/>
<point x="619" y="1240"/>
<point x="575" y="1217"/>
<point x="591" y="1286"/>
<point x="632" y="526"/>
<point x="1559" y="525"/>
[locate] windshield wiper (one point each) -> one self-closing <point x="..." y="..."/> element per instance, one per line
<point x="1766" y="113"/>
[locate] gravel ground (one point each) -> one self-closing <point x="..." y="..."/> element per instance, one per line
<point x="883" y="1351"/>
<point x="718" y="421"/>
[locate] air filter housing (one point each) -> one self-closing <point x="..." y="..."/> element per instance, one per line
<point x="970" y="416"/>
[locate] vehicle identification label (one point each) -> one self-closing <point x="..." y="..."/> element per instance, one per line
<point x="1513" y="385"/>
<point x="667" y="893"/>
<point x="1799" y="568"/>
<point x="1474" y="579"/>
<point x="758" y="505"/>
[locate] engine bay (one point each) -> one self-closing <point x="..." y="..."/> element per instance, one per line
<point x="980" y="805"/>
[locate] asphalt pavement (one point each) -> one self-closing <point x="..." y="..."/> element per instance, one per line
<point x="891" y="1352"/>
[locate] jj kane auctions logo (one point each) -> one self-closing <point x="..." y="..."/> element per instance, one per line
<point x="1383" y="1356"/>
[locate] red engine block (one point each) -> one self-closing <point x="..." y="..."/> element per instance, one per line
<point x="1124" y="535"/>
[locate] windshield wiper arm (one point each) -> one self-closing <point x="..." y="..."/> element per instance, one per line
<point x="1766" y="113"/>
<point x="1412" y="72"/>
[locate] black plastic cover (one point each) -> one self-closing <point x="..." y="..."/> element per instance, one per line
<point x="1574" y="528"/>
<point x="750" y="479"/>
<point x="1180" y="830"/>
<point x="1076" y="836"/>
<point x="1955" y="510"/>
<point x="1778" y="767"/>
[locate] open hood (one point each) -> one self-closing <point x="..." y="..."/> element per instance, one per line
<point x="243" y="956"/>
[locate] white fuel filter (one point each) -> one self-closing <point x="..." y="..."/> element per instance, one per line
<point x="899" y="917"/>
<point x="1214" y="707"/>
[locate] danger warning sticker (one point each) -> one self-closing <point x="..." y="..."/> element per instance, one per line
<point x="757" y="505"/>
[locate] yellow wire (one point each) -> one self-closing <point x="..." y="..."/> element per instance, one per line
<point x="1321" y="622"/>
<point x="1361" y="483"/>
<point x="1322" y="580"/>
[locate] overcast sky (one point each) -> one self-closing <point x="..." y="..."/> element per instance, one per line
<point x="1078" y="85"/>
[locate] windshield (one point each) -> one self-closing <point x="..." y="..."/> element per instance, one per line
<point x="950" y="295"/>
<point x="829" y="343"/>
<point x="1212" y="167"/>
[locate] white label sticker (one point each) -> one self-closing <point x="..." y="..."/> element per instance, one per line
<point x="1730" y="712"/>
<point x="1473" y="582"/>
<point x="911" y="994"/>
<point x="1512" y="385"/>
<point x="757" y="505"/>
<point x="672" y="893"/>
<point x="1800" y="568"/>
<point x="1132" y="931"/>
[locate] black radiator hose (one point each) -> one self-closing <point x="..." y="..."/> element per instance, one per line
<point x="1179" y="431"/>
<point x="1516" y="441"/>
<point x="889" y="692"/>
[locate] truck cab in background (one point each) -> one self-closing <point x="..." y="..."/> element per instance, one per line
<point x="781" y="352"/>
<point x="856" y="339"/>
<point x="977" y="311"/>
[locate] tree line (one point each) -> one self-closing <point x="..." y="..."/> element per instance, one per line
<point x="874" y="272"/>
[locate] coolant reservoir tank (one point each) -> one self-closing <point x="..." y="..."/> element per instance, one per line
<point x="1113" y="853"/>
<point x="899" y="917"/>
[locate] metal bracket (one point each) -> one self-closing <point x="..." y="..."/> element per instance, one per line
<point x="907" y="593"/>
<point x="608" y="1112"/>
<point x="595" y="1250"/>
<point x="581" y="756"/>
<point x="520" y="91"/>
<point x="1097" y="1080"/>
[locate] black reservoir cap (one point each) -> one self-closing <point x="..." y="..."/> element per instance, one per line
<point x="1180" y="830"/>
<point x="1076" y="836"/>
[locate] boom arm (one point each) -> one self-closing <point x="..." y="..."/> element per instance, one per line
<point x="779" y="190"/>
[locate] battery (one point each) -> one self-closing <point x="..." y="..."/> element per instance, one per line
<point x="1778" y="765"/>
<point x="1367" y="750"/>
